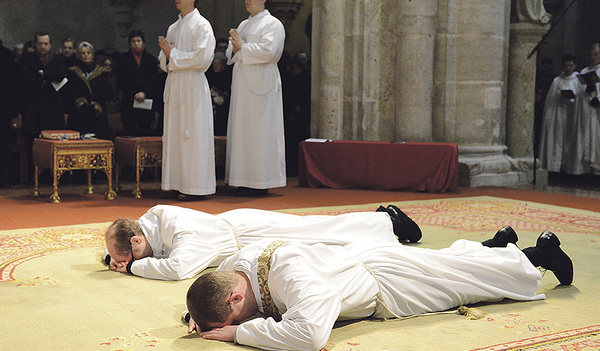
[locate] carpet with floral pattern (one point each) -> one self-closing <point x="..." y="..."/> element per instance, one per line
<point x="55" y="294"/>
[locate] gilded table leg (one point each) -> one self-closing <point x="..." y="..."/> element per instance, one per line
<point x="137" y="191"/>
<point x="36" y="188"/>
<point x="110" y="194"/>
<point x="90" y="188"/>
<point x="118" y="186"/>
<point x="54" y="198"/>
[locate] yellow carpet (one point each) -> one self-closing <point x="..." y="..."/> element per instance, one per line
<point x="55" y="294"/>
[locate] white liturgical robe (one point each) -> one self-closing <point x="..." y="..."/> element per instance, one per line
<point x="557" y="139"/>
<point x="188" y="163"/>
<point x="313" y="286"/>
<point x="184" y="241"/>
<point x="255" y="135"/>
<point x="586" y="151"/>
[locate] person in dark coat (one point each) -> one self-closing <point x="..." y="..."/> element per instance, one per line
<point x="42" y="102"/>
<point x="8" y="108"/>
<point x="137" y="77"/>
<point x="41" y="78"/>
<point x="88" y="91"/>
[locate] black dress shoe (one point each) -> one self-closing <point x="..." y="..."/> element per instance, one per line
<point x="548" y="254"/>
<point x="502" y="238"/>
<point x="404" y="227"/>
<point x="169" y="194"/>
<point x="186" y="197"/>
<point x="250" y="192"/>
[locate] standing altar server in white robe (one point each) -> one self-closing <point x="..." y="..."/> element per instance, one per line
<point x="188" y="163"/>
<point x="302" y="290"/>
<point x="557" y="140"/>
<point x="173" y="243"/>
<point x="586" y="154"/>
<point x="255" y="134"/>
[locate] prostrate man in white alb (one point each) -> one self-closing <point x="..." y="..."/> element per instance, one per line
<point x="302" y="290"/>
<point x="173" y="243"/>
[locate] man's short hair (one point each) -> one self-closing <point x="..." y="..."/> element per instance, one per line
<point x="136" y="33"/>
<point x="207" y="298"/>
<point x="41" y="34"/>
<point x="124" y="230"/>
<point x="569" y="57"/>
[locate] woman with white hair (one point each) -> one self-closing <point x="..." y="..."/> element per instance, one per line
<point x="88" y="90"/>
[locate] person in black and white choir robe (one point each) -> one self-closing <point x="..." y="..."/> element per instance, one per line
<point x="585" y="156"/>
<point x="557" y="140"/>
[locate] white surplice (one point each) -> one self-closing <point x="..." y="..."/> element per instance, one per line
<point x="586" y="150"/>
<point x="188" y="163"/>
<point x="313" y="286"/>
<point x="255" y="135"/>
<point x="557" y="138"/>
<point x="184" y="241"/>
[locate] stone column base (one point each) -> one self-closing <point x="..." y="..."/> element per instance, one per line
<point x="490" y="166"/>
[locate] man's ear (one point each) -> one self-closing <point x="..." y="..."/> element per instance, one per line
<point x="235" y="297"/>
<point x="135" y="240"/>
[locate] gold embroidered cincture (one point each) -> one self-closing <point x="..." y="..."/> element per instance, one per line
<point x="264" y="265"/>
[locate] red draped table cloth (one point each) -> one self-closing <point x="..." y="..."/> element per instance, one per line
<point x="428" y="167"/>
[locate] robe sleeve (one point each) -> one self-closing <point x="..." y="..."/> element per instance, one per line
<point x="266" y="49"/>
<point x="200" y="57"/>
<point x="162" y="61"/>
<point x="184" y="242"/>
<point x="231" y="57"/>
<point x="162" y="58"/>
<point x="189" y="257"/>
<point x="312" y="305"/>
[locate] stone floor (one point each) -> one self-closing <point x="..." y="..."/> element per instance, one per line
<point x="585" y="185"/>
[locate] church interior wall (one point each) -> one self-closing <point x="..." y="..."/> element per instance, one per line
<point x="94" y="21"/>
<point x="356" y="91"/>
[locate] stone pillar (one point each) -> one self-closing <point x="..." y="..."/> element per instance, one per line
<point x="369" y="63"/>
<point x="221" y="15"/>
<point x="355" y="65"/>
<point x="327" y="69"/>
<point x="414" y="69"/>
<point x="470" y="101"/>
<point x="124" y="15"/>
<point x="521" y="91"/>
<point x="285" y="10"/>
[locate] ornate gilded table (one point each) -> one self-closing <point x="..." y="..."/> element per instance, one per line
<point x="68" y="155"/>
<point x="140" y="153"/>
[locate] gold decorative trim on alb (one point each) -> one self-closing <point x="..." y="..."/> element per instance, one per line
<point x="264" y="265"/>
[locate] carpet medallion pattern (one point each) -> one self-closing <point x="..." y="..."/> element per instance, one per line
<point x="19" y="246"/>
<point x="587" y="338"/>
